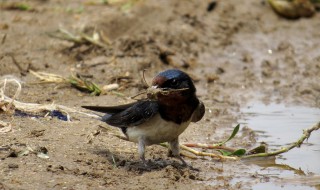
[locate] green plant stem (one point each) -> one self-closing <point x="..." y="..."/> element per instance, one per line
<point x="306" y="134"/>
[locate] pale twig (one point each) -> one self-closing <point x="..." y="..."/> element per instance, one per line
<point x="163" y="91"/>
<point x="208" y="146"/>
<point x="144" y="78"/>
<point x="212" y="155"/>
<point x="140" y="93"/>
<point x="5" y="127"/>
<point x="152" y="92"/>
<point x="36" y="108"/>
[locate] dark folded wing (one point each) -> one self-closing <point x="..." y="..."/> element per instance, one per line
<point x="111" y="109"/>
<point x="198" y="112"/>
<point x="137" y="114"/>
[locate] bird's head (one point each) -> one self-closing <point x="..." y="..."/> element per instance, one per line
<point x="178" y="85"/>
<point x="173" y="79"/>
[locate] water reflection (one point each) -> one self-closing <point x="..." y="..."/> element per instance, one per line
<point x="270" y="162"/>
<point x="278" y="125"/>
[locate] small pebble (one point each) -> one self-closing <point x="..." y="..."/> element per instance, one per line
<point x="110" y="87"/>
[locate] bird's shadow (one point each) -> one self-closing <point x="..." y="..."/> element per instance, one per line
<point x="119" y="161"/>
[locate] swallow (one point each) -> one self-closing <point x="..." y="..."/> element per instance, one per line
<point x="162" y="117"/>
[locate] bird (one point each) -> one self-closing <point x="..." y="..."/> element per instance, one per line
<point x="161" y="117"/>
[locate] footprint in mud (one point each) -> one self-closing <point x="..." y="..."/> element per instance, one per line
<point x="168" y="169"/>
<point x="137" y="165"/>
<point x="153" y="165"/>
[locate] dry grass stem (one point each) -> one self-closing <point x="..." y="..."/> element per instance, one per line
<point x="97" y="39"/>
<point x="49" y="77"/>
<point x="32" y="107"/>
<point x="75" y="80"/>
<point x="152" y="93"/>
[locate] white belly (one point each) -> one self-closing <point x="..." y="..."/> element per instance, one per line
<point x="156" y="130"/>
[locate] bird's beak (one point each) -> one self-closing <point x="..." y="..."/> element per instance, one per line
<point x="154" y="86"/>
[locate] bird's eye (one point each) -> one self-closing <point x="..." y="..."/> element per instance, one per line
<point x="174" y="83"/>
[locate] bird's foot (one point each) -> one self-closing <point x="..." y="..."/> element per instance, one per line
<point x="185" y="164"/>
<point x="144" y="162"/>
<point x="170" y="153"/>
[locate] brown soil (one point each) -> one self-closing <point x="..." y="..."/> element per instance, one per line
<point x="238" y="52"/>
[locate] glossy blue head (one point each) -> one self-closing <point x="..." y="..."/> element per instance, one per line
<point x="173" y="73"/>
<point x="173" y="79"/>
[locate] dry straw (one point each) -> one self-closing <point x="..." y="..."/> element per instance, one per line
<point x="9" y="104"/>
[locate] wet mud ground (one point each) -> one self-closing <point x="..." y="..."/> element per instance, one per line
<point x="237" y="53"/>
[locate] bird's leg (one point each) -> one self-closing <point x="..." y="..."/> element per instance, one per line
<point x="141" y="150"/>
<point x="175" y="150"/>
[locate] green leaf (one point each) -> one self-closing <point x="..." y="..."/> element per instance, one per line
<point x="239" y="152"/>
<point x="234" y="132"/>
<point x="23" y="7"/>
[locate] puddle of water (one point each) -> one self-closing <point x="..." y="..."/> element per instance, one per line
<point x="278" y="126"/>
<point x="264" y="186"/>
